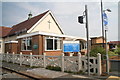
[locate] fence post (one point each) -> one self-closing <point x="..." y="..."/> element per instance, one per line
<point x="7" y="56"/>
<point x="31" y="60"/>
<point x="71" y="54"/>
<point x="79" y="61"/>
<point x="99" y="63"/>
<point x="62" y="62"/>
<point x="13" y="58"/>
<point x="20" y="58"/>
<point x="44" y="61"/>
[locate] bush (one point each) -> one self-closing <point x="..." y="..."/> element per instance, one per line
<point x="102" y="51"/>
<point x="54" y="68"/>
<point x="97" y="50"/>
<point x="117" y="51"/>
<point x="118" y="46"/>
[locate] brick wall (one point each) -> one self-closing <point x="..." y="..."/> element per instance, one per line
<point x="39" y="40"/>
<point x="11" y="47"/>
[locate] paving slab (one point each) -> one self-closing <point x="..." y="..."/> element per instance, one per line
<point x="113" y="78"/>
<point x="46" y="73"/>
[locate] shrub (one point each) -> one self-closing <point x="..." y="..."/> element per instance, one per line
<point x="97" y="50"/>
<point x="102" y="51"/>
<point x="57" y="68"/>
<point x="118" y="46"/>
<point x="117" y="51"/>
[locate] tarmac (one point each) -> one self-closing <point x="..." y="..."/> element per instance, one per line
<point x="41" y="73"/>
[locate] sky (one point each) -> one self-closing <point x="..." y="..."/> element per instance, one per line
<point x="66" y="13"/>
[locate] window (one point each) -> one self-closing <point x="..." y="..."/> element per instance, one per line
<point x="10" y="45"/>
<point x="53" y="43"/>
<point x="49" y="44"/>
<point x="0" y="44"/>
<point x="26" y="43"/>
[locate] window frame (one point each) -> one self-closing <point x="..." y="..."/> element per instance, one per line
<point x="26" y="45"/>
<point x="0" y="44"/>
<point x="53" y="38"/>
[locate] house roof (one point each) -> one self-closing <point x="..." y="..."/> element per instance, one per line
<point x="114" y="42"/>
<point x="115" y="57"/>
<point x="25" y="25"/>
<point x="96" y="37"/>
<point x="4" y="31"/>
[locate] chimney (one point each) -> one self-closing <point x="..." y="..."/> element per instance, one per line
<point x="29" y="15"/>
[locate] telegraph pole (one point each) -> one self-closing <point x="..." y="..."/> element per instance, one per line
<point x="80" y="20"/>
<point x="107" y="61"/>
<point x="102" y="23"/>
<point x="87" y="34"/>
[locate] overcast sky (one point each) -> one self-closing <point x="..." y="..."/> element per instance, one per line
<point x="66" y="14"/>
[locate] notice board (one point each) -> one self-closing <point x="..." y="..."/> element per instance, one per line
<point x="71" y="47"/>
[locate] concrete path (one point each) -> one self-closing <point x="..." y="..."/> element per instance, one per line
<point x="46" y="73"/>
<point x="113" y="78"/>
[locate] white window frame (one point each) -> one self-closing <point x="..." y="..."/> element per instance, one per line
<point x="26" y="38"/>
<point x="0" y="45"/>
<point x="53" y="38"/>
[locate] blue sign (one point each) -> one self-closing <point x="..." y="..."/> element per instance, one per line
<point x="71" y="47"/>
<point x="105" y="19"/>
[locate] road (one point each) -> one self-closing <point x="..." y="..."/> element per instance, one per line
<point x="8" y="74"/>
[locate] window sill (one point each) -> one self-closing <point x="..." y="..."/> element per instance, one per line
<point x="26" y="50"/>
<point x="54" y="50"/>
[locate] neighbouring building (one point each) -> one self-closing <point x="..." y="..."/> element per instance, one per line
<point x="98" y="41"/>
<point x="39" y="34"/>
<point x="114" y="44"/>
<point x="3" y="32"/>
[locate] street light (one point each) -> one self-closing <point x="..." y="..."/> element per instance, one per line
<point x="107" y="61"/>
<point x="102" y="20"/>
<point x="108" y="10"/>
<point x="80" y="20"/>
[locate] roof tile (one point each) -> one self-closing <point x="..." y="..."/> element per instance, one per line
<point x="26" y="25"/>
<point x="4" y="31"/>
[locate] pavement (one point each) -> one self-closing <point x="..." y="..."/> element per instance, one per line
<point x="40" y="73"/>
<point x="46" y="73"/>
<point x="113" y="78"/>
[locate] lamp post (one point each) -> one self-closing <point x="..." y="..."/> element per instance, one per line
<point x="107" y="59"/>
<point x="103" y="11"/>
<point x="102" y="23"/>
<point x="80" y="20"/>
<point x="102" y="20"/>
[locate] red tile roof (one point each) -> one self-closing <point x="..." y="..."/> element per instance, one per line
<point x="115" y="42"/>
<point x="4" y="31"/>
<point x="115" y="57"/>
<point x="26" y="25"/>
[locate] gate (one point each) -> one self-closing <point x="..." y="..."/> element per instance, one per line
<point x="113" y="67"/>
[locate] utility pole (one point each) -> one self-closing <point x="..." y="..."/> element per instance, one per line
<point x="80" y="20"/>
<point x="107" y="59"/>
<point x="87" y="34"/>
<point x="102" y="23"/>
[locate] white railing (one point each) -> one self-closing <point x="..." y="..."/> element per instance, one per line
<point x="67" y="63"/>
